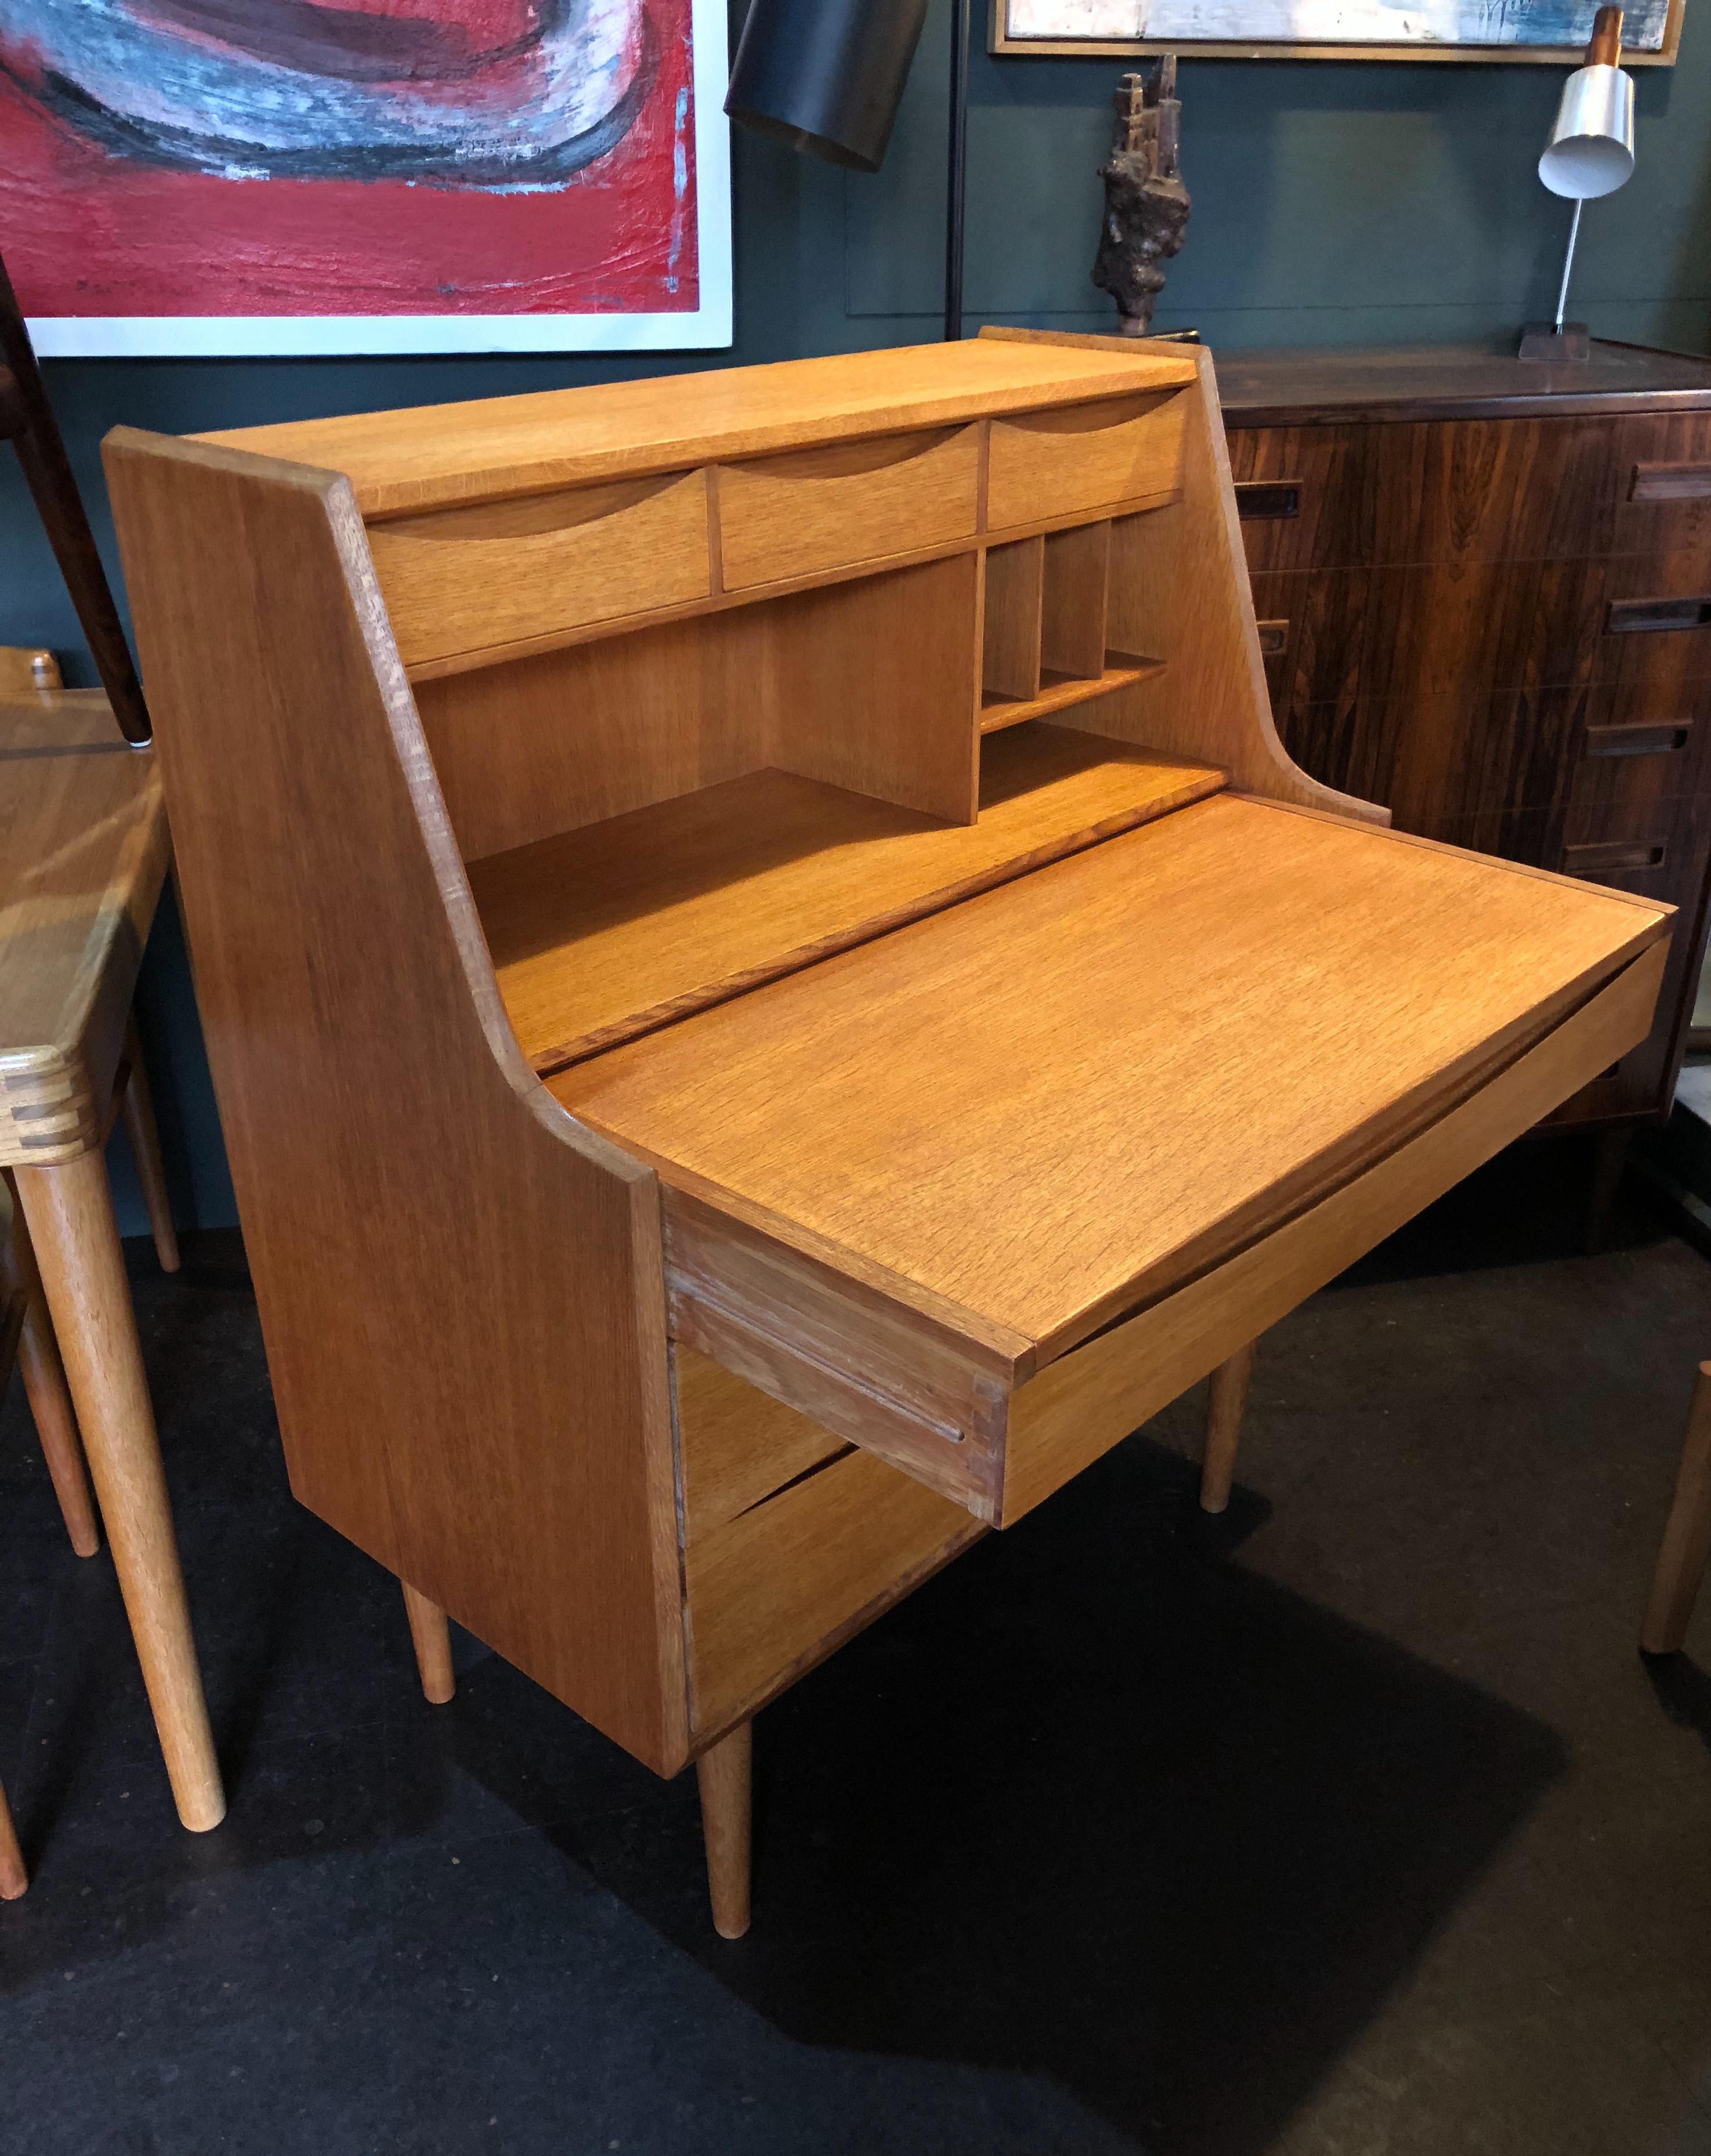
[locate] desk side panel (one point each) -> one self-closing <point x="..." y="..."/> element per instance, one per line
<point x="461" y="1291"/>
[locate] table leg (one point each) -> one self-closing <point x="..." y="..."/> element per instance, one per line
<point x="1224" y="1409"/>
<point x="69" y="1210"/>
<point x="14" y="1878"/>
<point x="49" y="1403"/>
<point x="723" y="1773"/>
<point x="431" y="1636"/>
<point x="137" y="1107"/>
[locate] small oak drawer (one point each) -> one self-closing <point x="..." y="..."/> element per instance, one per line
<point x="1042" y="465"/>
<point x="464" y="580"/>
<point x="831" y="508"/>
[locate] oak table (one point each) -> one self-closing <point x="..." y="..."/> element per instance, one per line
<point x="773" y="990"/>
<point x="83" y="849"/>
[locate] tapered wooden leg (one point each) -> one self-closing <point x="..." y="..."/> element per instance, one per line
<point x="1686" y="1539"/>
<point x="138" y="1108"/>
<point x="724" y="1776"/>
<point x="431" y="1636"/>
<point x="1224" y="1428"/>
<point x="68" y="1210"/>
<point x="1610" y="1164"/>
<point x="14" y="1878"/>
<point x="50" y="1402"/>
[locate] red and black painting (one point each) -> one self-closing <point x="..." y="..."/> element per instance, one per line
<point x="392" y="162"/>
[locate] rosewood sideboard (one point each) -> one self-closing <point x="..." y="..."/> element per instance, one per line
<point x="1484" y="594"/>
<point x="772" y="991"/>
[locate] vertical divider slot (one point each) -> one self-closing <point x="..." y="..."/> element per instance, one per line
<point x="1074" y="600"/>
<point x="1014" y="594"/>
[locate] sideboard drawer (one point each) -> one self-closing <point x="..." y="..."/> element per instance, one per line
<point x="1305" y="497"/>
<point x="1043" y="465"/>
<point x="829" y="508"/>
<point x="463" y="580"/>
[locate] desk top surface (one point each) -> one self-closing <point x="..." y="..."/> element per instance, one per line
<point x="1447" y="381"/>
<point x="441" y="453"/>
<point x="1059" y="1100"/>
<point x="83" y="853"/>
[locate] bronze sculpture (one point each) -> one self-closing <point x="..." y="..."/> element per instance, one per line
<point x="1146" y="203"/>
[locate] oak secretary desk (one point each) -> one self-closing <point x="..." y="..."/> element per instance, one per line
<point x="772" y="990"/>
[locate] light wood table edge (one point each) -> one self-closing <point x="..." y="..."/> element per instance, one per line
<point x="1057" y="1425"/>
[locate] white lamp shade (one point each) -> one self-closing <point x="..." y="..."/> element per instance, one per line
<point x="1590" y="151"/>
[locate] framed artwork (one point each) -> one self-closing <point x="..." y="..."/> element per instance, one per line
<point x="1552" y="31"/>
<point x="212" y="176"/>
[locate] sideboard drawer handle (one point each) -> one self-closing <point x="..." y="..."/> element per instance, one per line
<point x="1274" y="638"/>
<point x="1636" y="741"/>
<point x="1641" y="616"/>
<point x="1256" y="498"/>
<point x="1670" y="482"/>
<point x="1605" y="856"/>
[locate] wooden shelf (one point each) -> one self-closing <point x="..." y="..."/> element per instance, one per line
<point x="603" y="934"/>
<point x="1059" y="691"/>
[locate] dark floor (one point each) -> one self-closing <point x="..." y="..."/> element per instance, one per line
<point x="1352" y="1824"/>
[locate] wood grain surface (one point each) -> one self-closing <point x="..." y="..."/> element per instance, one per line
<point x="464" y="580"/>
<point x="1177" y="595"/>
<point x="776" y="1577"/>
<point x="1098" y="1126"/>
<point x="1086" y="1402"/>
<point x="818" y="509"/>
<point x="461" y="1291"/>
<point x="612" y="931"/>
<point x="434" y="455"/>
<point x="84" y="848"/>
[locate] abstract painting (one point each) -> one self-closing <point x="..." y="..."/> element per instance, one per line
<point x="1556" y="31"/>
<point x="317" y="176"/>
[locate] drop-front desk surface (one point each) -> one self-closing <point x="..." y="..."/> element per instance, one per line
<point x="772" y="990"/>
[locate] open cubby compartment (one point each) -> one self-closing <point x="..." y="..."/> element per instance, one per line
<point x="657" y="821"/>
<point x="1046" y="644"/>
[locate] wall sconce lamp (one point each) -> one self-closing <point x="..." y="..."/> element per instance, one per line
<point x="1590" y="153"/>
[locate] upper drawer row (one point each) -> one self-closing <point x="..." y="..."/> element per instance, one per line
<point x="1395" y="493"/>
<point x="467" y="581"/>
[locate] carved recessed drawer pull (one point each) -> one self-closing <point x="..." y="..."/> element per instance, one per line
<point x="1267" y="498"/>
<point x="1641" y="616"/>
<point x="1638" y="741"/>
<point x="1609" y="856"/>
<point x="1274" y="638"/>
<point x="1670" y="482"/>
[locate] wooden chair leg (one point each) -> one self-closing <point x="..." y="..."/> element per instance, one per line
<point x="68" y="1211"/>
<point x="431" y="1634"/>
<point x="49" y="1401"/>
<point x="1686" y="1539"/>
<point x="725" y="1779"/>
<point x="14" y="1878"/>
<point x="1224" y="1427"/>
<point x="138" y="1108"/>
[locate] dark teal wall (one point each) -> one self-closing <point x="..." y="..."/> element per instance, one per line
<point x="1333" y="205"/>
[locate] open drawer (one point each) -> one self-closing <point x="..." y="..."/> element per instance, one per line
<point x="981" y="1195"/>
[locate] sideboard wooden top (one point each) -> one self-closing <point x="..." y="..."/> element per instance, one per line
<point x="432" y="456"/>
<point x="1052" y="1103"/>
<point x="1453" y="382"/>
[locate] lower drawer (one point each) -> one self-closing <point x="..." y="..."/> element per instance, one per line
<point x="793" y="1540"/>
